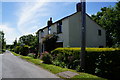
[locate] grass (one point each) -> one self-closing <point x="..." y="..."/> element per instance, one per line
<point x="56" y="69"/>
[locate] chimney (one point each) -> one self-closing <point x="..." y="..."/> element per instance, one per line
<point x="78" y="7"/>
<point x="49" y="23"/>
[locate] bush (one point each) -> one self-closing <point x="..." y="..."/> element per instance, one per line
<point x="31" y="55"/>
<point x="50" y="40"/>
<point x="46" y="57"/>
<point x="104" y="62"/>
<point x="17" y="49"/>
<point x="22" y="50"/>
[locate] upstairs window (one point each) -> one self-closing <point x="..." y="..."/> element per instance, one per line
<point x="59" y="27"/>
<point x="49" y="30"/>
<point x="99" y="32"/>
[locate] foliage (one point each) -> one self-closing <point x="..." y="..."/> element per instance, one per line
<point x="46" y="57"/>
<point x="31" y="55"/>
<point x="103" y="62"/>
<point x="27" y="39"/>
<point x="26" y="44"/>
<point x="23" y="50"/>
<point x="15" y="43"/>
<point x="109" y="19"/>
<point x="50" y="42"/>
<point x="56" y="69"/>
<point x="17" y="49"/>
<point x="2" y="41"/>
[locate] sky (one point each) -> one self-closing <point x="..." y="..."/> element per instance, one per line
<point x="22" y="18"/>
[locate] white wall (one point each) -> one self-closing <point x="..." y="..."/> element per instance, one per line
<point x="75" y="30"/>
<point x="53" y="28"/>
<point x="92" y="37"/>
<point x="45" y="31"/>
<point x="65" y="32"/>
<point x="71" y="32"/>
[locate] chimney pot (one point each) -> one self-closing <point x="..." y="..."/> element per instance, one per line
<point x="49" y="23"/>
<point x="78" y="7"/>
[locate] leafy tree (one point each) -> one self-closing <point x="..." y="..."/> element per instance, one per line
<point x="27" y="44"/>
<point x="109" y="19"/>
<point x="27" y="39"/>
<point x="2" y="40"/>
<point x="15" y="43"/>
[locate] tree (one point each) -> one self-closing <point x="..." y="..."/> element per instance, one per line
<point x="2" y="40"/>
<point x="27" y="39"/>
<point x="15" y="42"/>
<point x="109" y="19"/>
<point x="27" y="44"/>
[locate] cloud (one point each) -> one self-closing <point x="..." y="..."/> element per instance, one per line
<point x="10" y="33"/>
<point x="30" y="15"/>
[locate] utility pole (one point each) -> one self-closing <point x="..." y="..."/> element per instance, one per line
<point x="83" y="42"/>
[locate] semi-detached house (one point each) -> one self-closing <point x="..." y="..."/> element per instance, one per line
<point x="68" y="30"/>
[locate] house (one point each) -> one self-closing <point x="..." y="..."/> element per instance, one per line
<point x="68" y="30"/>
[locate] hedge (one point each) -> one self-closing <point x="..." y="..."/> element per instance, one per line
<point x="103" y="62"/>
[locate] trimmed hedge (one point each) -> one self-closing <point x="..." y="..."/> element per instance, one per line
<point x="103" y="62"/>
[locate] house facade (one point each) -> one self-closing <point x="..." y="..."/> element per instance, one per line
<point x="68" y="30"/>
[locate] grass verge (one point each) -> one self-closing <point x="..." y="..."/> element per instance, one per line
<point x="56" y="69"/>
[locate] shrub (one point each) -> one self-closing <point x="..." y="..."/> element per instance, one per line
<point x="22" y="50"/>
<point x="31" y="55"/>
<point x="46" y="57"/>
<point x="17" y="49"/>
<point x="104" y="62"/>
<point x="50" y="40"/>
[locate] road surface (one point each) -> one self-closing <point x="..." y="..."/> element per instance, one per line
<point x="14" y="67"/>
<point x="0" y="66"/>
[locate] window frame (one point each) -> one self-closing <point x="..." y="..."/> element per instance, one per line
<point x="99" y="32"/>
<point x="59" y="27"/>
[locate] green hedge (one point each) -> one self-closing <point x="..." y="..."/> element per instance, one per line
<point x="104" y="62"/>
<point x="2" y="51"/>
<point x="22" y="50"/>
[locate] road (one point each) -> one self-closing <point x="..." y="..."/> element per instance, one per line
<point x="14" y="67"/>
<point x="0" y="66"/>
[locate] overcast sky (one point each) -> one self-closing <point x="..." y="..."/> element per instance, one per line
<point x="22" y="18"/>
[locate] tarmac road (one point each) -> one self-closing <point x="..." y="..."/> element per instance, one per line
<point x="14" y="67"/>
<point x="0" y="66"/>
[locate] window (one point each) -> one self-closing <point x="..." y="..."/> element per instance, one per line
<point x="101" y="46"/>
<point x="49" y="30"/>
<point x="59" y="27"/>
<point x="99" y="32"/>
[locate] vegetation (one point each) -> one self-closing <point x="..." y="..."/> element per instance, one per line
<point x="2" y="42"/>
<point x="50" y="40"/>
<point x="56" y="69"/>
<point x="109" y="19"/>
<point x="46" y="57"/>
<point x="102" y="62"/>
<point x="25" y="45"/>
